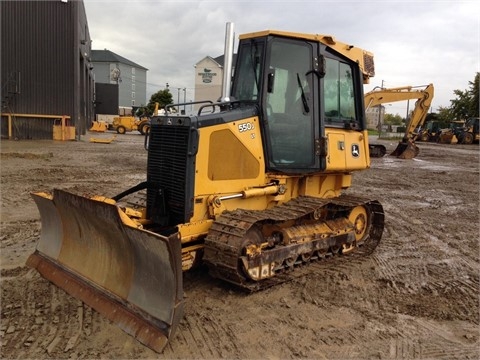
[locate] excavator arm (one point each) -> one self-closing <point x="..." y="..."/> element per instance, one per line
<point x="406" y="149"/>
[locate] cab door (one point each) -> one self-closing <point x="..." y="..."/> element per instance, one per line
<point x="343" y="118"/>
<point x="291" y="124"/>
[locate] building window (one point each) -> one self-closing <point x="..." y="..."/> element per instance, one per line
<point x="133" y="102"/>
<point x="133" y="71"/>
<point x="133" y="78"/>
<point x="133" y="94"/>
<point x="133" y="87"/>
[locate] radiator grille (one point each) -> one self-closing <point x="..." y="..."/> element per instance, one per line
<point x="369" y="64"/>
<point x="170" y="170"/>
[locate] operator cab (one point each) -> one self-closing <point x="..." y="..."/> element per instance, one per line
<point x="302" y="87"/>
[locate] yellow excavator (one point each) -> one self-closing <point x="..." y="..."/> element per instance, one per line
<point x="252" y="185"/>
<point x="406" y="149"/>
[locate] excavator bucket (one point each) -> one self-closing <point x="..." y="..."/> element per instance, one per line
<point x="131" y="276"/>
<point x="406" y="150"/>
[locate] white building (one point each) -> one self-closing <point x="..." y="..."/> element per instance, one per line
<point x="209" y="78"/>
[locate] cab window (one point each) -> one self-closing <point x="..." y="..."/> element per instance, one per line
<point x="338" y="93"/>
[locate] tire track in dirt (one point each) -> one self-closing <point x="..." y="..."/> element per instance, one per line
<point x="199" y="335"/>
<point x="451" y="343"/>
<point x="194" y="332"/>
<point x="449" y="351"/>
<point x="405" y="349"/>
<point x="444" y="265"/>
<point x="39" y="318"/>
<point x="415" y="297"/>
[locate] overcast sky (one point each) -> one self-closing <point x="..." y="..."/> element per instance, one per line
<point x="414" y="42"/>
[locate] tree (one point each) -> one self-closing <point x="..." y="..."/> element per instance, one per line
<point x="466" y="103"/>
<point x="163" y="97"/>
<point x="445" y="115"/>
<point x="390" y="119"/>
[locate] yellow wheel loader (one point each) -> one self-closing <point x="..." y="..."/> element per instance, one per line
<point x="470" y="132"/>
<point x="430" y="132"/>
<point x="449" y="135"/>
<point x="251" y="185"/>
<point x="123" y="124"/>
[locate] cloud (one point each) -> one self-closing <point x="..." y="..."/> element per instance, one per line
<point x="414" y="42"/>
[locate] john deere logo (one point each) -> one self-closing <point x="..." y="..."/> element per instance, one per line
<point x="355" y="150"/>
<point x="207" y="75"/>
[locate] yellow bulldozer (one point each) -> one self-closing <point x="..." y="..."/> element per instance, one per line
<point x="252" y="186"/>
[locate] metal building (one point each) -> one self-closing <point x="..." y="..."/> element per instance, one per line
<point x="45" y="67"/>
<point x="131" y="78"/>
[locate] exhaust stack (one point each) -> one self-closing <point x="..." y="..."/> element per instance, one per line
<point x="227" y="65"/>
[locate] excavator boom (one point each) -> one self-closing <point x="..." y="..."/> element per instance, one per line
<point x="406" y="149"/>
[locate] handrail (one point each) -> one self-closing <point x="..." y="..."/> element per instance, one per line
<point x="42" y="116"/>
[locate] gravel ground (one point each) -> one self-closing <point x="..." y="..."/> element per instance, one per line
<point x="415" y="297"/>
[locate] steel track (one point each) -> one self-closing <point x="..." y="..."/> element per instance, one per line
<point x="225" y="241"/>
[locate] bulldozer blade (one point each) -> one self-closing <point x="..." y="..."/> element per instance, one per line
<point x="406" y="150"/>
<point x="132" y="276"/>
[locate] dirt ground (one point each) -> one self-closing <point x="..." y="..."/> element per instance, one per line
<point x="416" y="297"/>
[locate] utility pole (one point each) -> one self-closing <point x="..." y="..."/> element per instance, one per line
<point x="178" y="101"/>
<point x="380" y="115"/>
<point x="184" y="100"/>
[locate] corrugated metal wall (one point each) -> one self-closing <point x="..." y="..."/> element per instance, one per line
<point x="45" y="68"/>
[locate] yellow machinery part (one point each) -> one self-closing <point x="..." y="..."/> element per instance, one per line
<point x="99" y="126"/>
<point x="102" y="140"/>
<point x="406" y="150"/>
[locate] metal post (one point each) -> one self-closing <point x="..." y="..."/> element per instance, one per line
<point x="178" y="101"/>
<point x="379" y="125"/>
<point x="380" y="116"/>
<point x="228" y="56"/>
<point x="184" y="100"/>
